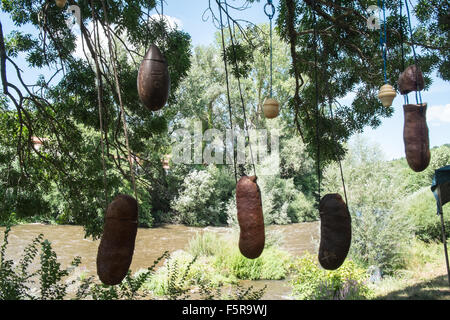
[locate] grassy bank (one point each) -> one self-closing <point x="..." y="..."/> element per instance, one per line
<point x="211" y="267"/>
<point x="424" y="278"/>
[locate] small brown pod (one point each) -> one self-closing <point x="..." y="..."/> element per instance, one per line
<point x="153" y="80"/>
<point x="116" y="248"/>
<point x="250" y="217"/>
<point x="335" y="231"/>
<point x="411" y="80"/>
<point x="416" y="137"/>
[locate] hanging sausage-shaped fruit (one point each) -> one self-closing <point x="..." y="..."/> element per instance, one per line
<point x="416" y="137"/>
<point x="411" y="80"/>
<point x="415" y="131"/>
<point x="335" y="231"/>
<point x="60" y="3"/>
<point x="387" y="95"/>
<point x="116" y="248"/>
<point x="271" y="108"/>
<point x="250" y="217"/>
<point x="153" y="80"/>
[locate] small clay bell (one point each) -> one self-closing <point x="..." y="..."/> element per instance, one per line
<point x="416" y="137"/>
<point x="387" y="95"/>
<point x="271" y="108"/>
<point x="153" y="80"/>
<point x="411" y="80"/>
<point x="60" y="3"/>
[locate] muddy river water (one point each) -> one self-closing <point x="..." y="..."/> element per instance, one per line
<point x="69" y="242"/>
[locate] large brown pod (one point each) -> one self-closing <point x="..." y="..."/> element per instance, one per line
<point x="416" y="136"/>
<point x="250" y="217"/>
<point x="411" y="80"/>
<point x="116" y="248"/>
<point x="335" y="231"/>
<point x="153" y="80"/>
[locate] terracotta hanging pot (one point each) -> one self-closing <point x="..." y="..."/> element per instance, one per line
<point x="153" y="80"/>
<point x="271" y="108"/>
<point x="411" y="80"/>
<point x="250" y="217"/>
<point x="387" y="95"/>
<point x="60" y="3"/>
<point x="416" y="137"/>
<point x="335" y="231"/>
<point x="116" y="248"/>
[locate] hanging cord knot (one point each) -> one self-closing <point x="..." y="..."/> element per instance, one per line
<point x="269" y="6"/>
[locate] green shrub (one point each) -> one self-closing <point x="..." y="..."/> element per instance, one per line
<point x="421" y="209"/>
<point x="205" y="244"/>
<point x="16" y="281"/>
<point x="202" y="201"/>
<point x="311" y="282"/>
<point x="273" y="264"/>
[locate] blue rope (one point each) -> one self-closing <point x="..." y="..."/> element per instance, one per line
<point x="383" y="40"/>
<point x="418" y="94"/>
<point x="270" y="5"/>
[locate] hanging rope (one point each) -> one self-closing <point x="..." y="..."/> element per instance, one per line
<point x="333" y="133"/>
<point x="316" y="80"/>
<point x="383" y="40"/>
<point x="228" y="93"/>
<point x="270" y="14"/>
<point x="335" y="152"/>
<point x="239" y="81"/>
<point x="416" y="62"/>
<point x="99" y="84"/>
<point x="122" y="109"/>
<point x="402" y="46"/>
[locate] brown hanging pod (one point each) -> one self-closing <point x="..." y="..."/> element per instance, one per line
<point x="411" y="80"/>
<point x="335" y="231"/>
<point x="116" y="248"/>
<point x="250" y="217"/>
<point x="416" y="136"/>
<point x="153" y="80"/>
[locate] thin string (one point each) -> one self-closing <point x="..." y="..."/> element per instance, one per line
<point x="124" y="120"/>
<point x="99" y="85"/>
<point x="335" y="153"/>
<point x="418" y="93"/>
<point x="270" y="15"/>
<point x="271" y="60"/>
<point x="316" y="79"/>
<point x="402" y="46"/>
<point x="228" y="95"/>
<point x="383" y="40"/>
<point x="239" y="85"/>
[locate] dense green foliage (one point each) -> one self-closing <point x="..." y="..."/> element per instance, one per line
<point x="310" y="282"/>
<point x="17" y="279"/>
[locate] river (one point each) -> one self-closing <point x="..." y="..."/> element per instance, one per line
<point x="69" y="242"/>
